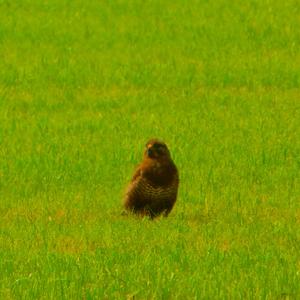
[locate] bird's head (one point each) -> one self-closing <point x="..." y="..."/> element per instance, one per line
<point x="156" y="149"/>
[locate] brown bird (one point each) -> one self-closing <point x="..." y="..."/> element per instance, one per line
<point x="153" y="187"/>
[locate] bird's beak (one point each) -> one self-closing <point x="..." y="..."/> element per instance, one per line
<point x="149" y="152"/>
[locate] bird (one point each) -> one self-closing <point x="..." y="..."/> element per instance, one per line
<point x="153" y="188"/>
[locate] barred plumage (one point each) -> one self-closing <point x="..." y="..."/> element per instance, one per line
<point x="153" y="188"/>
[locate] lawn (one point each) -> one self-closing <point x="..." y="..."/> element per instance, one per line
<point x="84" y="85"/>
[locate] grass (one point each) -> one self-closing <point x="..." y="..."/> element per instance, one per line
<point x="83" y="85"/>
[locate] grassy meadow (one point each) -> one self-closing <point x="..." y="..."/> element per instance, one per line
<point x="84" y="85"/>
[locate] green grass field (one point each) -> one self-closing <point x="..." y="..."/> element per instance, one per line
<point x="83" y="86"/>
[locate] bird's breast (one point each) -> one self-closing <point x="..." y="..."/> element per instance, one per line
<point x="157" y="192"/>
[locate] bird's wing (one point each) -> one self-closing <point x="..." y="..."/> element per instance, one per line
<point x="137" y="175"/>
<point x="133" y="187"/>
